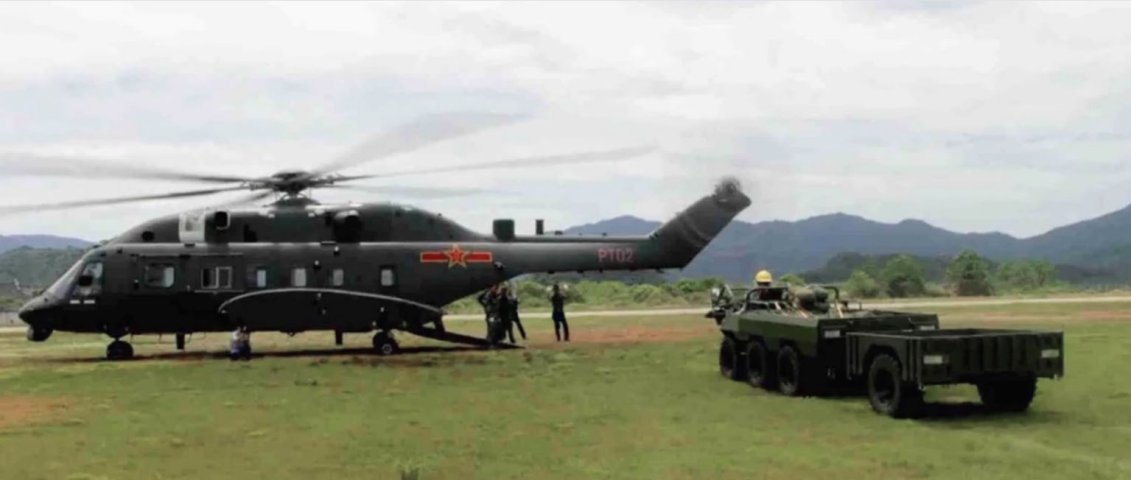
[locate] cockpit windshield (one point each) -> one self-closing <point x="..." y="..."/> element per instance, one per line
<point x="83" y="279"/>
<point x="90" y="281"/>
<point x="62" y="286"/>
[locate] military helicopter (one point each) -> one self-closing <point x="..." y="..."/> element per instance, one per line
<point x="296" y="265"/>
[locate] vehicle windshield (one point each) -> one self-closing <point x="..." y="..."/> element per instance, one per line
<point x="61" y="287"/>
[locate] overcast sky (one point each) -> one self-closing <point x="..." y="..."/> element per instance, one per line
<point x="1003" y="116"/>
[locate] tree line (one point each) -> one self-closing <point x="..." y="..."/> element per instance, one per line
<point x="968" y="274"/>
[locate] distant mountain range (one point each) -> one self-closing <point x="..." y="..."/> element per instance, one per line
<point x="1102" y="244"/>
<point x="40" y="241"/>
<point x="1100" y="247"/>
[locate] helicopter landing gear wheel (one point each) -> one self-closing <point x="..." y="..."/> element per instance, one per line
<point x="385" y="344"/>
<point x="119" y="350"/>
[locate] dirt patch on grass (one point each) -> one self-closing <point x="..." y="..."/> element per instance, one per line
<point x="639" y="334"/>
<point x="19" y="410"/>
<point x="1106" y="315"/>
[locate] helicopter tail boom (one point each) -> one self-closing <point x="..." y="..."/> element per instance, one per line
<point x="682" y="238"/>
<point x="672" y="245"/>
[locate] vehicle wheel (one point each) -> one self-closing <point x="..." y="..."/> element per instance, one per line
<point x="1008" y="395"/>
<point x="888" y="394"/>
<point x="119" y="350"/>
<point x="730" y="365"/>
<point x="759" y="371"/>
<point x="384" y="343"/>
<point x="789" y="372"/>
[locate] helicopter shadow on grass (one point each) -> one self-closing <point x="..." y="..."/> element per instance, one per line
<point x="368" y="354"/>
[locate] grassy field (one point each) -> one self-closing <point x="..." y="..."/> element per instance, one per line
<point x="630" y="398"/>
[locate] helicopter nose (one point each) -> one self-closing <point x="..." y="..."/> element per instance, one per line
<point x="35" y="311"/>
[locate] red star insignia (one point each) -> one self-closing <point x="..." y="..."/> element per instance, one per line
<point x="456" y="256"/>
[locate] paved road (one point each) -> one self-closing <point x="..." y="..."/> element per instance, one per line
<point x="882" y="305"/>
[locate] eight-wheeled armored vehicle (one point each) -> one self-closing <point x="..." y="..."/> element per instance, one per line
<point x="799" y="341"/>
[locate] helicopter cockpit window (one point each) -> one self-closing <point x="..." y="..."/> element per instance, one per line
<point x="61" y="286"/>
<point x="90" y="280"/>
<point x="298" y="277"/>
<point x="160" y="275"/>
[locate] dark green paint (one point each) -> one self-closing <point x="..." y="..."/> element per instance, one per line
<point x="367" y="243"/>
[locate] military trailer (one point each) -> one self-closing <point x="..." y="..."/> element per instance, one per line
<point x="799" y="341"/>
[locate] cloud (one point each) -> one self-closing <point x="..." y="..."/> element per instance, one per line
<point x="972" y="116"/>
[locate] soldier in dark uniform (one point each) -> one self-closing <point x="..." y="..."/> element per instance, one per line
<point x="504" y="306"/>
<point x="512" y="304"/>
<point x="557" y="301"/>
<point x="493" y="310"/>
<point x="485" y="301"/>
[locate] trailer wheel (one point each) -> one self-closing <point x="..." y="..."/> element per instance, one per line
<point x="759" y="371"/>
<point x="789" y="372"/>
<point x="1008" y="395"/>
<point x="730" y="365"/>
<point x="888" y="394"/>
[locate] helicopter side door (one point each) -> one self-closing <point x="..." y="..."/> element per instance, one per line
<point x="154" y="290"/>
<point x="210" y="280"/>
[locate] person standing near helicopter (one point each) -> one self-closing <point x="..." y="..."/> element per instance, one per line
<point x="557" y="302"/>
<point x="512" y="311"/>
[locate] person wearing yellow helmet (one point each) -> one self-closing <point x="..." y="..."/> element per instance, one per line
<point x="763" y="278"/>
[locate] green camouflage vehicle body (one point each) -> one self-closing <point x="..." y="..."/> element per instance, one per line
<point x="802" y="342"/>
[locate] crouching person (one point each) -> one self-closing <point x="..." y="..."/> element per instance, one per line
<point x="240" y="348"/>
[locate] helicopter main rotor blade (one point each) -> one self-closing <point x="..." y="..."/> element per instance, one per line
<point x="416" y="192"/>
<point x="415" y="135"/>
<point x="245" y="199"/>
<point x="15" y="209"/>
<point x="13" y="163"/>
<point x="551" y="160"/>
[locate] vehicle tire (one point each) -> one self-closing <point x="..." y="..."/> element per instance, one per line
<point x="789" y="372"/>
<point x="759" y="370"/>
<point x="888" y="394"/>
<point x="1008" y="395"/>
<point x="384" y="344"/>
<point x="119" y="350"/>
<point x="730" y="362"/>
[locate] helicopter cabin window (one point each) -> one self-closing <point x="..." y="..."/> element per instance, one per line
<point x="338" y="277"/>
<point x="160" y="275"/>
<point x="261" y="277"/>
<point x="388" y="277"/>
<point x="90" y="281"/>
<point x="216" y="278"/>
<point x="298" y="277"/>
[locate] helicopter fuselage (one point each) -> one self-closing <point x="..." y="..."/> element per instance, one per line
<point x="349" y="269"/>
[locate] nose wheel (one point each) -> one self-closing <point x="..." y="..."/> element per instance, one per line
<point x="119" y="350"/>
<point x="385" y="344"/>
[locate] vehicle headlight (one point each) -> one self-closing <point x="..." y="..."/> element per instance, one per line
<point x="832" y="333"/>
<point x="1050" y="353"/>
<point x="926" y="327"/>
<point x="934" y="359"/>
